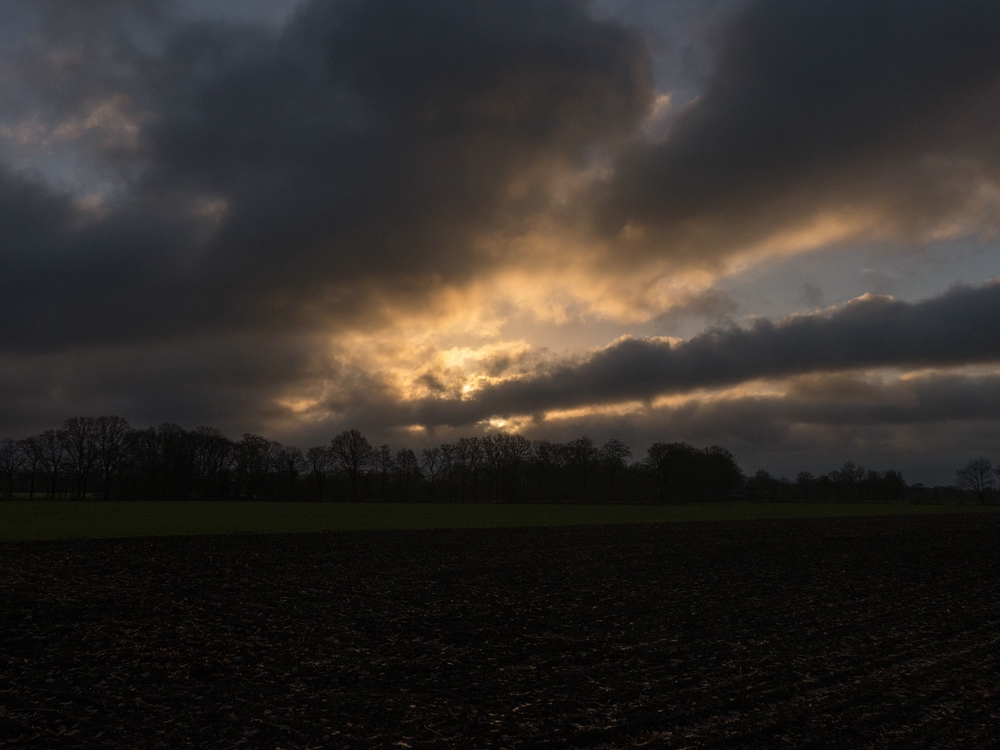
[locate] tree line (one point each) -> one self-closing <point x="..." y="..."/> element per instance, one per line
<point x="104" y="457"/>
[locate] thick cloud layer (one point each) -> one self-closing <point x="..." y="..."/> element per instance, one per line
<point x="958" y="328"/>
<point x="879" y="115"/>
<point x="297" y="177"/>
<point x="201" y="214"/>
<point x="926" y="426"/>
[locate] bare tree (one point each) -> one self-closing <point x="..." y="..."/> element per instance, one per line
<point x="53" y="454"/>
<point x="292" y="463"/>
<point x="448" y="461"/>
<point x="12" y="458"/>
<point x="469" y="459"/>
<point x="112" y="438"/>
<point x="34" y="459"/>
<point x="978" y="477"/>
<point x="80" y="436"/>
<point x="256" y="457"/>
<point x="614" y="455"/>
<point x="407" y="470"/>
<point x="214" y="454"/>
<point x="433" y="463"/>
<point x="383" y="465"/>
<point x="318" y="458"/>
<point x="353" y="454"/>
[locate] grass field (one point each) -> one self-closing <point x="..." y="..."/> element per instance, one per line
<point x="60" y="519"/>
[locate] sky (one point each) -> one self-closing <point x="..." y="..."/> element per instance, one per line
<point x="769" y="225"/>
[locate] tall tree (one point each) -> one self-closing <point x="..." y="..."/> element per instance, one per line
<point x="383" y="465"/>
<point x="686" y="474"/>
<point x="53" y="454"/>
<point x="34" y="460"/>
<point x="318" y="459"/>
<point x="469" y="458"/>
<point x="292" y="464"/>
<point x="407" y="471"/>
<point x="353" y="454"/>
<point x="977" y="477"/>
<point x="12" y="458"/>
<point x="80" y="436"/>
<point x="112" y="439"/>
<point x="214" y="455"/>
<point x="253" y="458"/>
<point x="613" y="456"/>
<point x="432" y="462"/>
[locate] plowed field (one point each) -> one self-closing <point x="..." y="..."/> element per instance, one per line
<point x="864" y="632"/>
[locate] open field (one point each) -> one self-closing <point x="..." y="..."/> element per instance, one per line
<point x="826" y="633"/>
<point x="92" y="519"/>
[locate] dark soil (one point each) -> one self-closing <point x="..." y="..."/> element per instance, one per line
<point x="878" y="632"/>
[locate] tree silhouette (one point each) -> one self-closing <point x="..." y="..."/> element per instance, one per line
<point x="432" y="462"/>
<point x="53" y="453"/>
<point x="80" y="437"/>
<point x="977" y="476"/>
<point x="353" y="454"/>
<point x="318" y="459"/>
<point x="614" y="455"/>
<point x="407" y="471"/>
<point x="12" y="458"/>
<point x="34" y="460"/>
<point x="112" y="439"/>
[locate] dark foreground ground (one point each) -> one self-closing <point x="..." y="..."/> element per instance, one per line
<point x="876" y="632"/>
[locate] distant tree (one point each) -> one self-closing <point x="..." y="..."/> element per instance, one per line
<point x="978" y="477"/>
<point x="448" y="461"/>
<point x="214" y="456"/>
<point x="34" y="460"/>
<point x="12" y="458"/>
<point x="53" y="454"/>
<point x="292" y="463"/>
<point x="614" y="456"/>
<point x="318" y="458"/>
<point x="353" y="454"/>
<point x="685" y="473"/>
<point x="468" y="461"/>
<point x="80" y="438"/>
<point x="254" y="456"/>
<point x="407" y="472"/>
<point x="848" y="481"/>
<point x="112" y="439"/>
<point x="173" y="467"/>
<point x="547" y="463"/>
<point x="804" y="484"/>
<point x="515" y="450"/>
<point x="893" y="486"/>
<point x="433" y="462"/>
<point x="764" y="486"/>
<point x="383" y="466"/>
<point x="582" y="451"/>
<point x="722" y="476"/>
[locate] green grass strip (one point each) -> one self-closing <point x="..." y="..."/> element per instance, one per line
<point x="92" y="519"/>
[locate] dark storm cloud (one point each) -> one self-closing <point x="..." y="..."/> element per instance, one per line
<point x="232" y="384"/>
<point x="926" y="426"/>
<point x="283" y="177"/>
<point x="262" y="180"/>
<point x="887" y="108"/>
<point x="959" y="327"/>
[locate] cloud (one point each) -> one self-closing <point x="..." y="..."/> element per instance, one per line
<point x="956" y="328"/>
<point x="868" y="119"/>
<point x="353" y="213"/>
<point x="360" y="154"/>
<point x="925" y="425"/>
